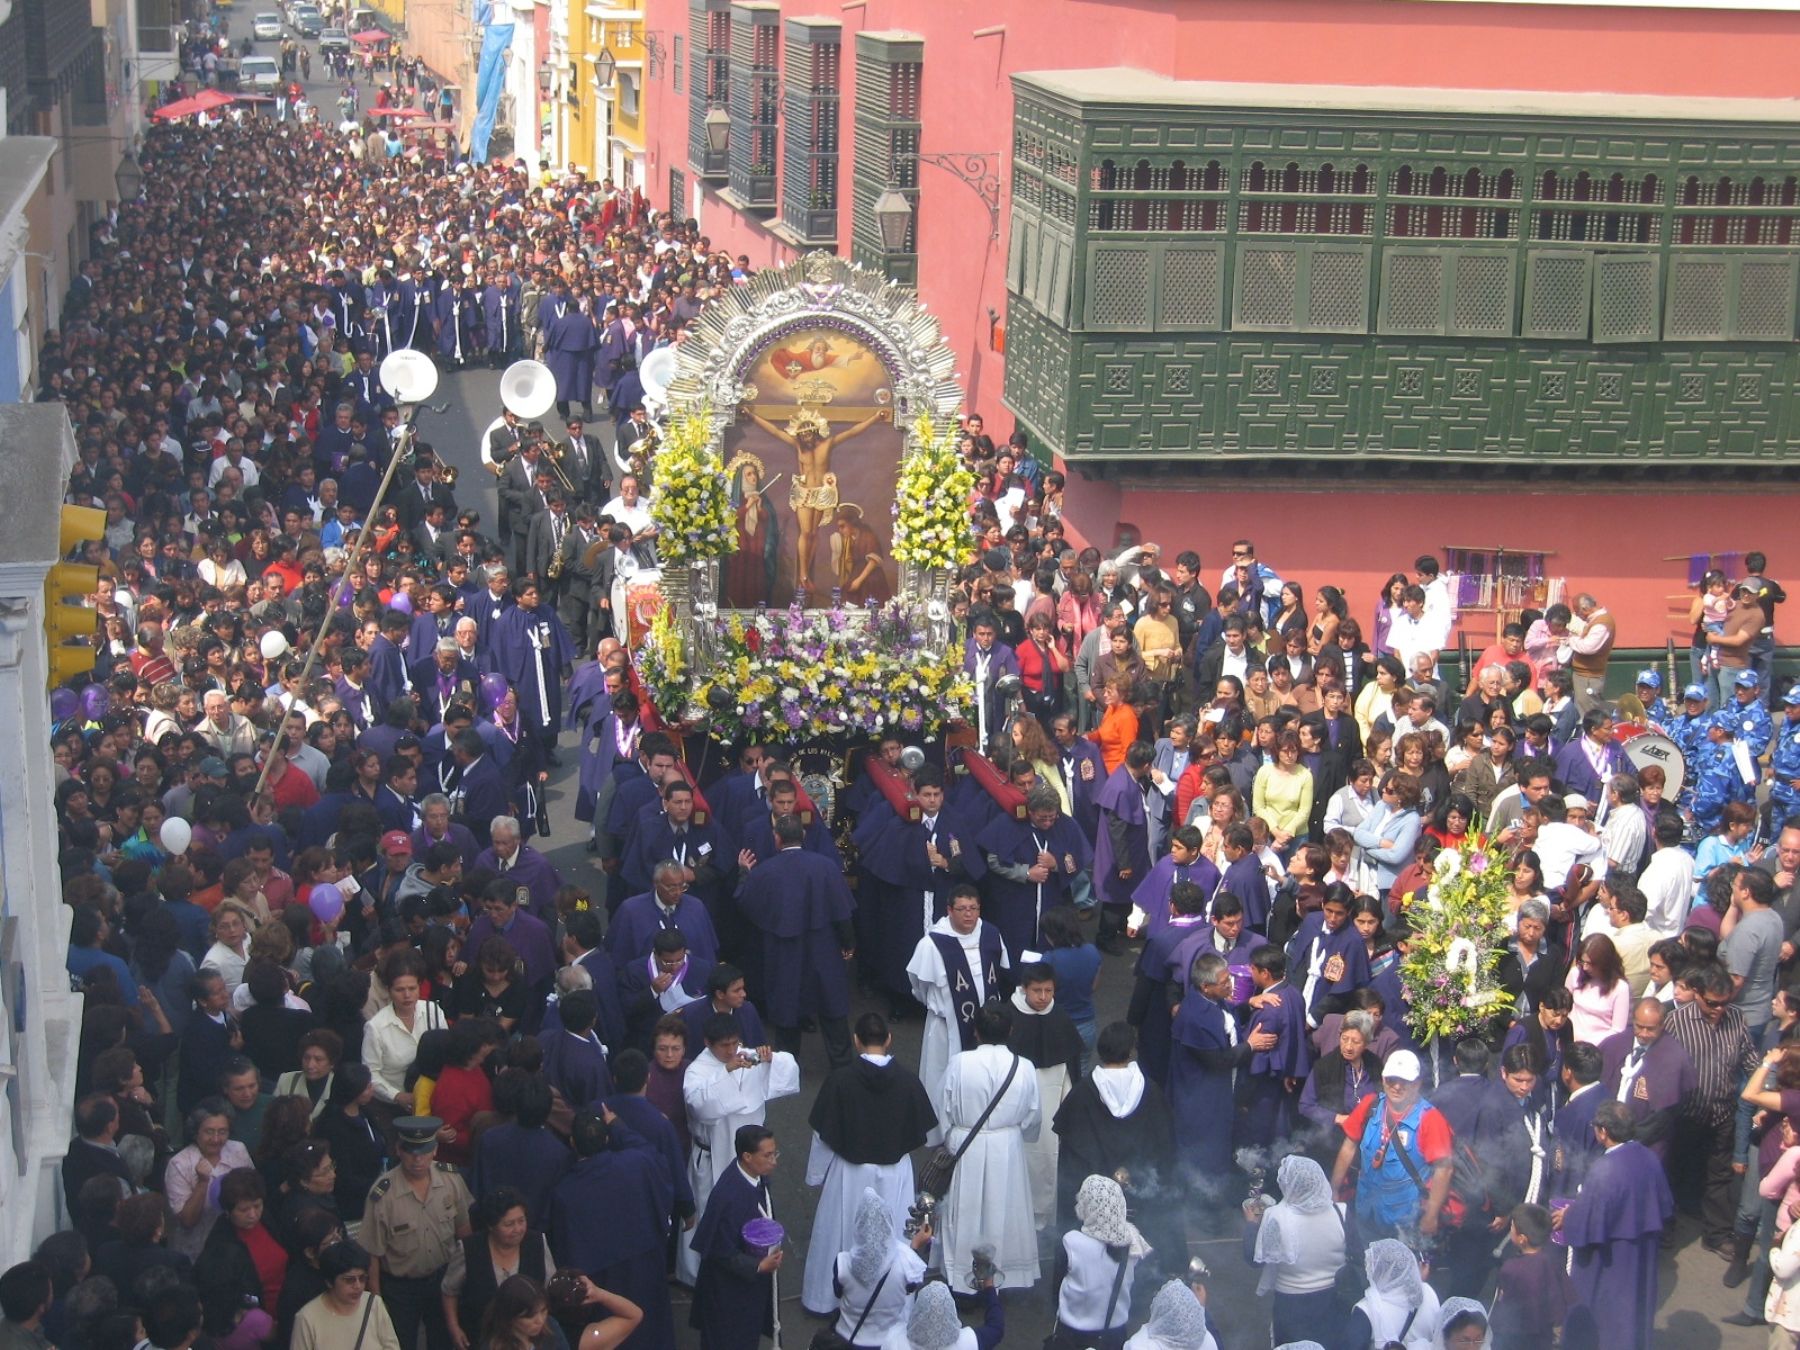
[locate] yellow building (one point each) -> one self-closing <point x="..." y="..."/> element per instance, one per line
<point x="611" y="138"/>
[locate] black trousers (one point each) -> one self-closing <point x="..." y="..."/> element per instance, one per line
<point x="412" y="1302"/>
<point x="836" y="1031"/>
<point x="1704" y="1181"/>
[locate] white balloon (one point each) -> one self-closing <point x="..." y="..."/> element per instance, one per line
<point x="176" y="835"/>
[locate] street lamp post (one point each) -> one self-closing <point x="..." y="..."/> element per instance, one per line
<point x="718" y="130"/>
<point x="128" y="177"/>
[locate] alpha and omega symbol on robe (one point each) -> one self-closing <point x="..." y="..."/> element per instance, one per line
<point x="521" y="895"/>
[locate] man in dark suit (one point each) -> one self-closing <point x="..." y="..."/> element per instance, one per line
<point x="516" y="488"/>
<point x="1230" y="655"/>
<point x="433" y="537"/>
<point x="1573" y="1144"/>
<point x="544" y="540"/>
<point x="478" y="792"/>
<point x="1169" y="759"/>
<point x="414" y="501"/>
<point x="504" y="440"/>
<point x="619" y="557"/>
<point x="92" y="1153"/>
<point x="1338" y="732"/>
<point x="632" y="430"/>
<point x="210" y="1038"/>
<point x="584" y="462"/>
<point x="581" y="557"/>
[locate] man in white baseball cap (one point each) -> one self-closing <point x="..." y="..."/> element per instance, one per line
<point x="1404" y="1144"/>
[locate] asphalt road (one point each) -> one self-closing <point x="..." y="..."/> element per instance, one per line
<point x="1692" y="1299"/>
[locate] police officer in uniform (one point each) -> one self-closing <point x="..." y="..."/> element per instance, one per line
<point x="1784" y="763"/>
<point x="417" y="1212"/>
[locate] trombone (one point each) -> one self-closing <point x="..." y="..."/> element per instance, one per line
<point x="448" y="474"/>
<point x="553" y="454"/>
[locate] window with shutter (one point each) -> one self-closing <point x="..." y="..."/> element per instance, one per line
<point x="1729" y="297"/>
<point x="1627" y="297"/>
<point x="1699" y="298"/>
<point x="1412" y="290"/>
<point x="1118" y="286"/>
<point x="1482" y="294"/>
<point x="1192" y="292"/>
<point x="1337" y="288"/>
<point x="1558" y="293"/>
<point x="1018" y="249"/>
<point x="1268" y="287"/>
<point x="1052" y="293"/>
<point x="1765" y="299"/>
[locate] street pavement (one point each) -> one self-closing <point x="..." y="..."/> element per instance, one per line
<point x="1692" y="1299"/>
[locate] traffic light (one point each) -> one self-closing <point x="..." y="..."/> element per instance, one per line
<point x="69" y="625"/>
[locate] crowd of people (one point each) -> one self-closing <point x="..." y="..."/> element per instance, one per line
<point x="358" y="1062"/>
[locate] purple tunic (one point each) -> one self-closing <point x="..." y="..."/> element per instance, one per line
<point x="1614" y="1229"/>
<point x="1152" y="894"/>
<point x="1121" y="801"/>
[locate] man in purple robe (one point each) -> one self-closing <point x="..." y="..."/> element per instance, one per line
<point x="1329" y="958"/>
<point x="1161" y="981"/>
<point x="1083" y="769"/>
<point x="1183" y="862"/>
<point x="508" y="856"/>
<point x="1614" y="1230"/>
<point x="609" y="1219"/>
<point x="1122" y="845"/>
<point x="986" y="660"/>
<point x="1208" y="1055"/>
<point x="1033" y="866"/>
<point x="502" y="917"/>
<point x="1274" y="1077"/>
<point x="734" y="1298"/>
<point x="666" y="905"/>
<point x="1572" y="1144"/>
<point x="531" y="648"/>
<point x="798" y="901"/>
<point x="571" y="345"/>
<point x="1652" y="1074"/>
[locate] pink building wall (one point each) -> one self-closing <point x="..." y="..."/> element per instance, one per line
<point x="1407" y="43"/>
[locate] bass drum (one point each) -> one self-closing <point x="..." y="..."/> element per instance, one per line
<point x="1643" y="746"/>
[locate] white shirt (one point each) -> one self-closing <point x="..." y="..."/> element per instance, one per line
<point x="1407" y="636"/>
<point x="1668" y="886"/>
<point x="635" y="518"/>
<point x="388" y="1048"/>
<point x="1560" y="846"/>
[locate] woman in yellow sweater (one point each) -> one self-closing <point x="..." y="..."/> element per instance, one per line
<point x="1283" y="792"/>
<point x="1118" y="726"/>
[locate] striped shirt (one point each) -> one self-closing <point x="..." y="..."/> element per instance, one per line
<point x="1722" y="1052"/>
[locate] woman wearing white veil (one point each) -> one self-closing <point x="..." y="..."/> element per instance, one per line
<point x="1464" y="1325"/>
<point x="1299" y="1243"/>
<point x="1093" y="1303"/>
<point x="1399" y="1305"/>
<point x="1177" y="1322"/>
<point x="933" y="1323"/>
<point x="876" y="1278"/>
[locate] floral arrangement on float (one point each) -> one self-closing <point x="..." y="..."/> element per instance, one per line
<point x="690" y="499"/>
<point x="803" y="674"/>
<point x="931" y="500"/>
<point x="1458" y="937"/>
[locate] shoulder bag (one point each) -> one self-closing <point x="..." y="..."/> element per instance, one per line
<point x="1065" y="1338"/>
<point x="827" y="1338"/>
<point x="935" y="1179"/>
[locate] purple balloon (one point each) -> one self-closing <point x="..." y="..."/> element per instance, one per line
<point x="326" y="902"/>
<point x="64" y="703"/>
<point x="493" y="689"/>
<point x="96" y="701"/>
<point x="401" y="603"/>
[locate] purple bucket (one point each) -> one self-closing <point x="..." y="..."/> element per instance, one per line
<point x="1558" y="1203"/>
<point x="763" y="1236"/>
<point x="1242" y="986"/>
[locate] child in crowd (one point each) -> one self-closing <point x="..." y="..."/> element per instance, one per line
<point x="1534" y="1295"/>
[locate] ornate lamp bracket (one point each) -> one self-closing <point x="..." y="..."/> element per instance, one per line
<point x="980" y="169"/>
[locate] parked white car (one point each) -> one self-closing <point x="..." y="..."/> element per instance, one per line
<point x="258" y="72"/>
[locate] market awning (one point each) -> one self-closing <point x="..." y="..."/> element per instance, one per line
<point x="204" y="101"/>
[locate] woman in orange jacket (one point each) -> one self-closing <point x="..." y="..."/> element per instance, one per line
<point x="1118" y="725"/>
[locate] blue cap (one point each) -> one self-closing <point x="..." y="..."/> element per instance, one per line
<point x="1746" y="679"/>
<point x="1695" y="691"/>
<point x="1792" y="697"/>
<point x="1649" y="677"/>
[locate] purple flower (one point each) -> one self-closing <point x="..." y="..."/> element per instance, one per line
<point x="1479" y="863"/>
<point x="792" y="715"/>
<point x="753" y="715"/>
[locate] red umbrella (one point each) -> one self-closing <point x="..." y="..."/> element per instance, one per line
<point x="399" y="114"/>
<point x="369" y="35"/>
<point x="204" y="101"/>
<point x="254" y="98"/>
